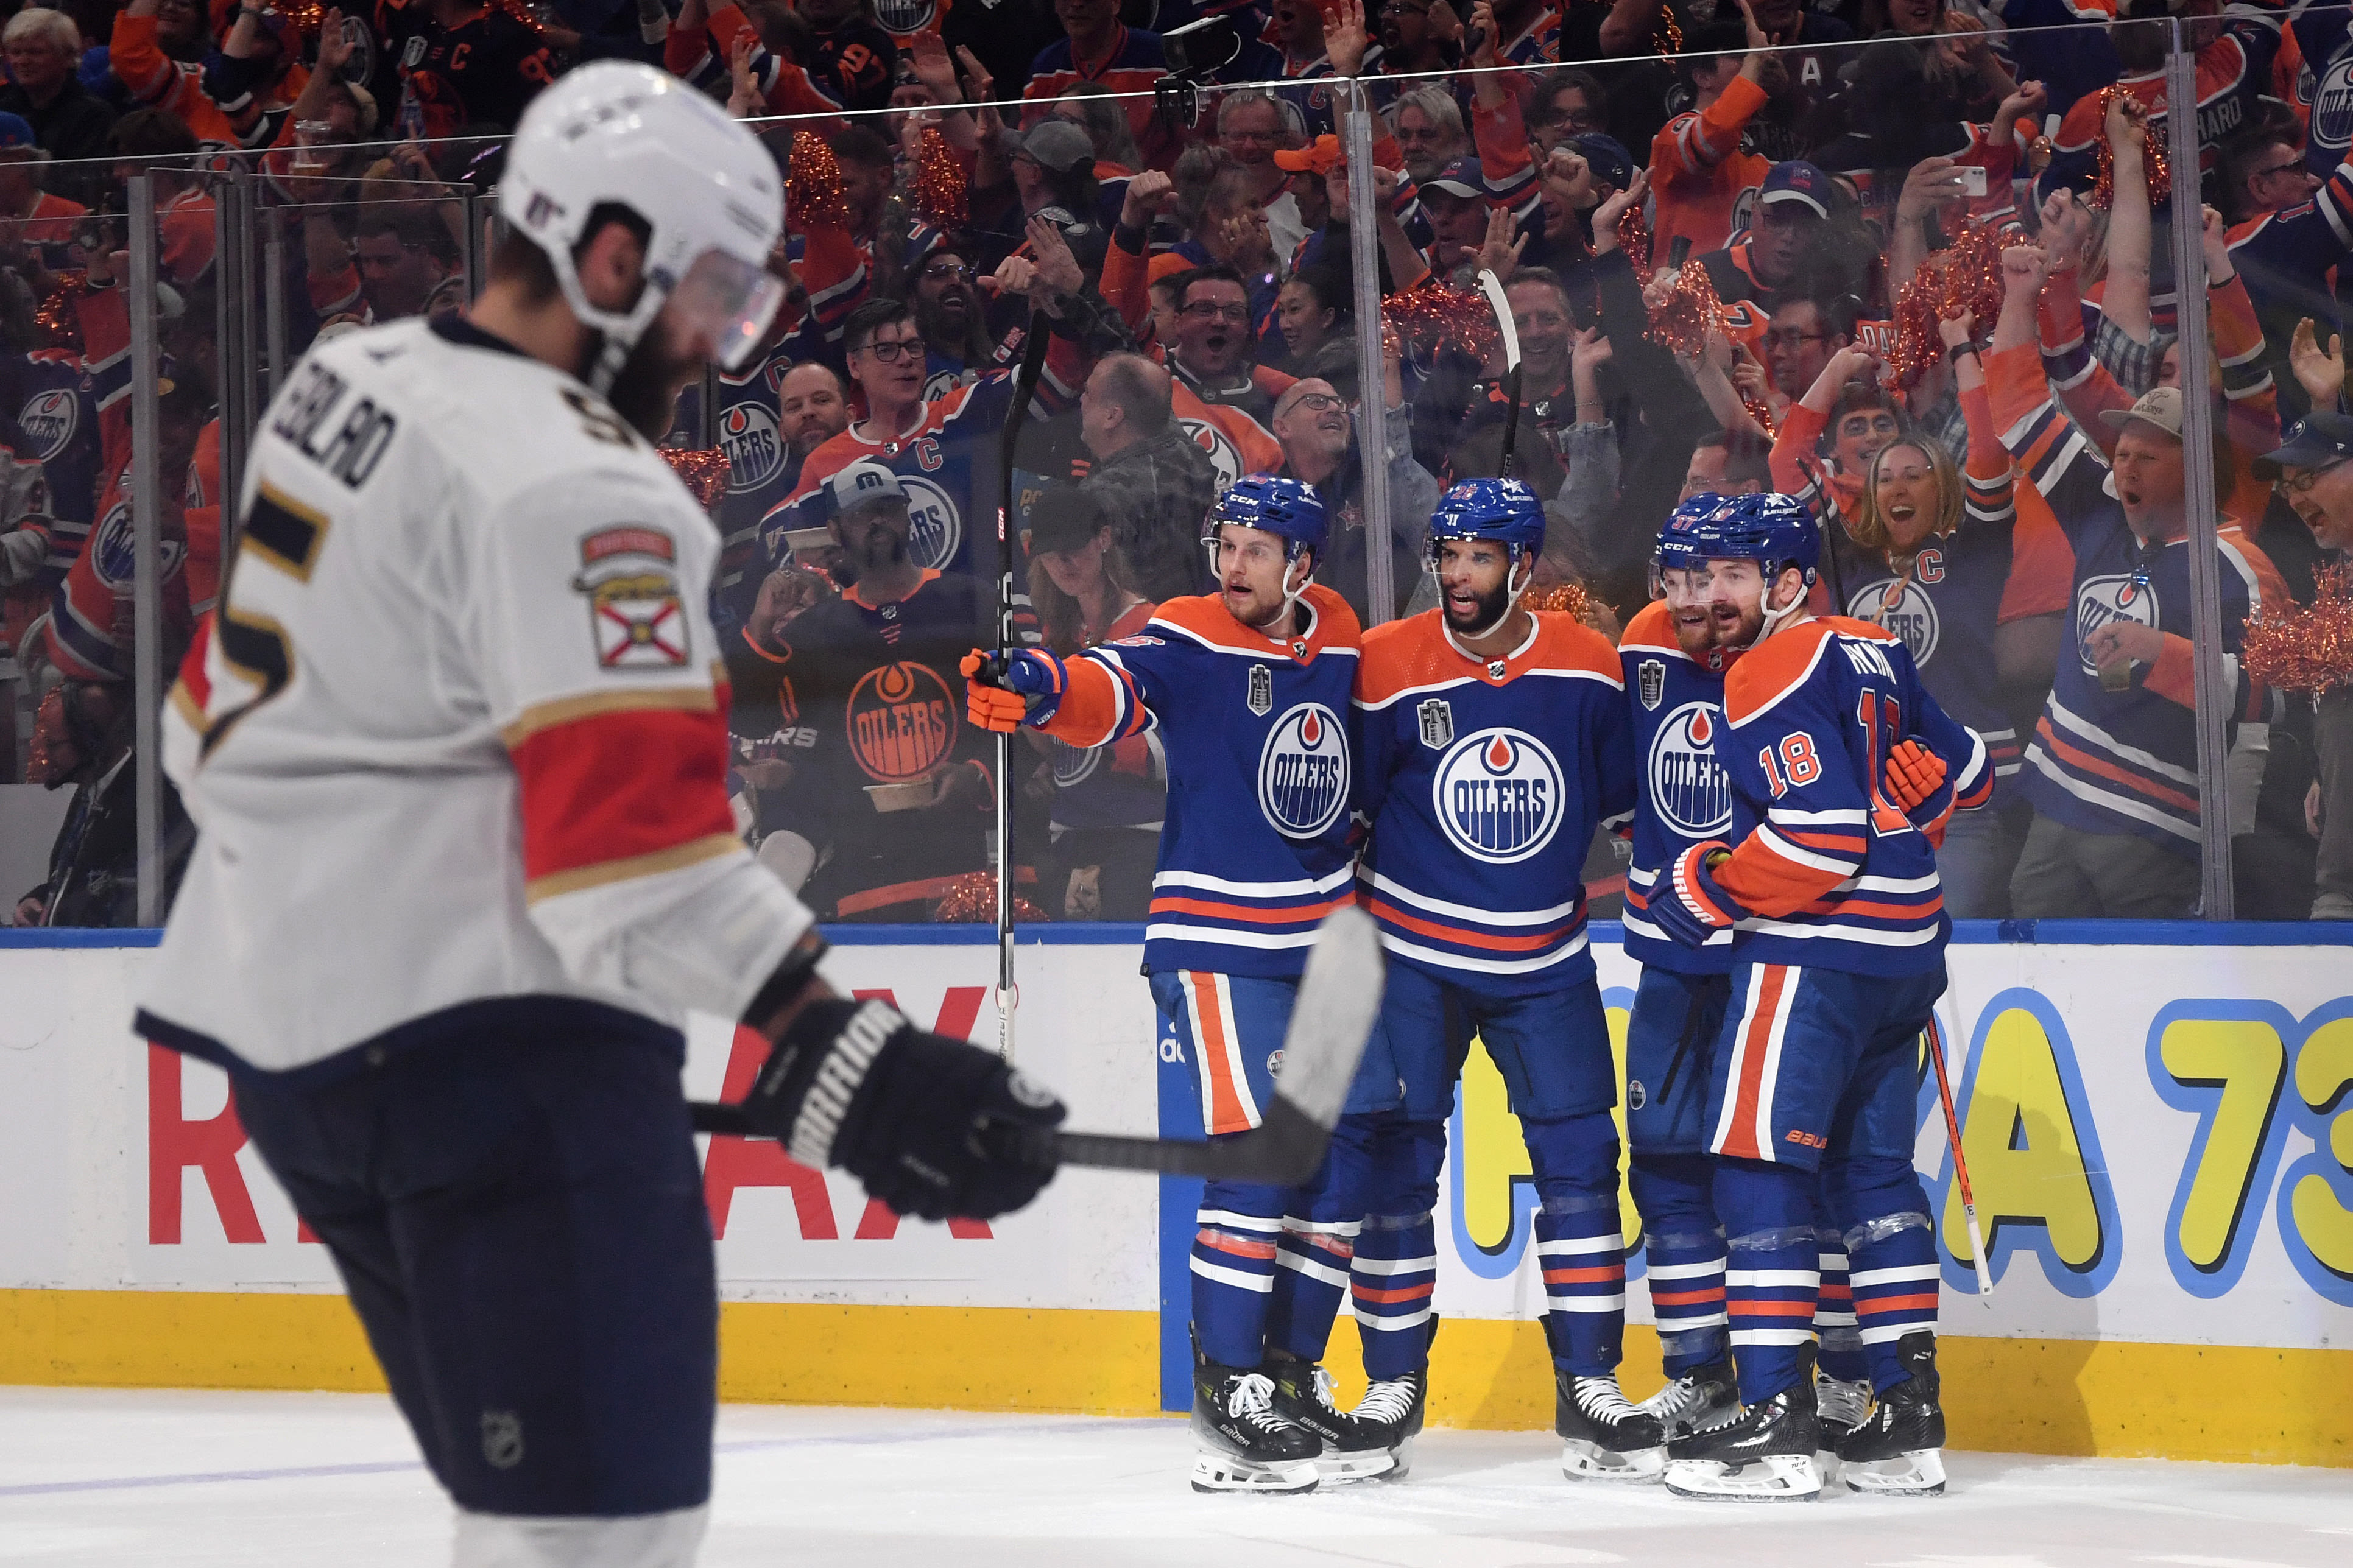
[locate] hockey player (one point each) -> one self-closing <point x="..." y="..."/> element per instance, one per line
<point x="1838" y="959"/>
<point x="1248" y="688"/>
<point x="457" y="756"/>
<point x="1492" y="740"/>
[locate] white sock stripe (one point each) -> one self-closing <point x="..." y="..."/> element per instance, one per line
<point x="1880" y="1333"/>
<point x="1578" y="1246"/>
<point x="1687" y="1270"/>
<point x="1335" y="1277"/>
<point x="1675" y="1323"/>
<point x="1323" y="1227"/>
<point x="1772" y="1336"/>
<point x="1226" y="1220"/>
<point x="1831" y="1263"/>
<point x="1391" y="1325"/>
<point x="1394" y="1266"/>
<point x="1587" y="1303"/>
<point x="1833" y="1319"/>
<point x="1871" y="1276"/>
<point x="1262" y="1283"/>
<point x="1769" y="1278"/>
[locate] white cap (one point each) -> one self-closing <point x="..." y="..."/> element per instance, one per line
<point x="863" y="482"/>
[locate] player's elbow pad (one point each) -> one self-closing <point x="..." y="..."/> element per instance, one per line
<point x="704" y="937"/>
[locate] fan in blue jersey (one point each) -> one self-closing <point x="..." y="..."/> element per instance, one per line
<point x="1492" y="741"/>
<point x="1838" y="957"/>
<point x="1249" y="689"/>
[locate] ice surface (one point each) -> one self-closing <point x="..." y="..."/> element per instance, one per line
<point x="122" y="1477"/>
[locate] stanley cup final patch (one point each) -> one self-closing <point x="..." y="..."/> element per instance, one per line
<point x="629" y="575"/>
<point x="1651" y="678"/>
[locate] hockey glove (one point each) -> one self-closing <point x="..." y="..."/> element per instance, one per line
<point x="1687" y="904"/>
<point x="931" y="1126"/>
<point x="1917" y="784"/>
<point x="1001" y="691"/>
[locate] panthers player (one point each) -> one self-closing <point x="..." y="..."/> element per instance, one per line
<point x="1248" y="688"/>
<point x="444" y="932"/>
<point x="1492" y="740"/>
<point x="1837" y="959"/>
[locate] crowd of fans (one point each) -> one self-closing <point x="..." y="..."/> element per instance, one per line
<point x="1909" y="260"/>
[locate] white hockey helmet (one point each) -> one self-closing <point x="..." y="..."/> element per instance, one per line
<point x="622" y="133"/>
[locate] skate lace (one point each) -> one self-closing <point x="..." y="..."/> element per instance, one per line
<point x="1388" y="1401"/>
<point x="1252" y="1399"/>
<point x="1600" y="1398"/>
<point x="1676" y="1400"/>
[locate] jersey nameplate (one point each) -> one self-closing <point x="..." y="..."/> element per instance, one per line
<point x="358" y="443"/>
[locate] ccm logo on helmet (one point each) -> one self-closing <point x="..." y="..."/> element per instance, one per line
<point x="1303" y="771"/>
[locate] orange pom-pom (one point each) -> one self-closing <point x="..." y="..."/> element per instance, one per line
<point x="1680" y="323"/>
<point x="1432" y="315"/>
<point x="1634" y="237"/>
<point x="2153" y="159"/>
<point x="1568" y="598"/>
<point x="813" y="194"/>
<point x="2310" y="649"/>
<point x="971" y="900"/>
<point x="938" y="189"/>
<point x="704" y="473"/>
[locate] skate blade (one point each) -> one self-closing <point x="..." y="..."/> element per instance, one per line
<point x="1777" y="1477"/>
<point x="1586" y="1461"/>
<point x="1922" y="1474"/>
<point x="1340" y="1467"/>
<point x="1215" y="1472"/>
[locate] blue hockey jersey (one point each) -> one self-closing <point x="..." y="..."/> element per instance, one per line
<point x="1835" y="874"/>
<point x="1254" y="849"/>
<point x="1484" y="781"/>
<point x="1685" y="796"/>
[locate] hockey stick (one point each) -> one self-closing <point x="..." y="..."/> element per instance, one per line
<point x="1339" y="997"/>
<point x="1025" y="386"/>
<point x="1961" y="1161"/>
<point x="1493" y="287"/>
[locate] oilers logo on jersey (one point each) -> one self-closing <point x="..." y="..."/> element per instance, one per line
<point x="634" y="611"/>
<point x="1687" y="785"/>
<point x="1303" y="772"/>
<point x="902" y="722"/>
<point x="934" y="527"/>
<point x="2103" y="600"/>
<point x="48" y="418"/>
<point x="1223" y="456"/>
<point x="115" y="547"/>
<point x="2332" y="106"/>
<point x="747" y="434"/>
<point x="1074" y="765"/>
<point x="1903" y="607"/>
<point x="1498" y="795"/>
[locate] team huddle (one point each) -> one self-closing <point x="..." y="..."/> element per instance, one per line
<point x="1785" y="781"/>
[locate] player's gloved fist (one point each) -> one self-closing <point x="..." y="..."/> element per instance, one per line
<point x="1917" y="781"/>
<point x="999" y="687"/>
<point x="934" y="1127"/>
<point x="1687" y="904"/>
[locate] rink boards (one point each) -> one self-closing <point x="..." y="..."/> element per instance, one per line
<point x="2159" y="1127"/>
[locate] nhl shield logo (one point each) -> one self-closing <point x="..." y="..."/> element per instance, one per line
<point x="1261" y="691"/>
<point x="1651" y="678"/>
<point x="635" y="612"/>
<point x="1437" y="724"/>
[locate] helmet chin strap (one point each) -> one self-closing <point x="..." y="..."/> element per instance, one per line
<point x="1291" y="595"/>
<point x="620" y="332"/>
<point x="1774" y="620"/>
<point x="1513" y="586"/>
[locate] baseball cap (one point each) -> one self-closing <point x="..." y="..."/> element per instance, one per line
<point x="1462" y="177"/>
<point x="1798" y="181"/>
<point x="16" y="131"/>
<point x="1605" y="155"/>
<point x="1320" y="156"/>
<point x="1064" y="517"/>
<point x="2314" y="441"/>
<point x="1056" y="143"/>
<point x="2159" y="406"/>
<point x="863" y="482"/>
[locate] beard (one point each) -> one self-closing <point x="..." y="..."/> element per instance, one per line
<point x="645" y="390"/>
<point x="1487" y="613"/>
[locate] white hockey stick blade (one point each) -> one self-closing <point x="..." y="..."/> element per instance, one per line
<point x="1339" y="998"/>
<point x="1493" y="287"/>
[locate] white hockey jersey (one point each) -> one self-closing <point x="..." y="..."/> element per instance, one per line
<point x="457" y="732"/>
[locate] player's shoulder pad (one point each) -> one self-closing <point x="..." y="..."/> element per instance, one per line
<point x="1772" y="670"/>
<point x="1566" y="643"/>
<point x="1337" y="629"/>
<point x="1404" y="656"/>
<point x="1650" y="627"/>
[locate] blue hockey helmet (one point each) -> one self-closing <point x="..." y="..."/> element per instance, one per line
<point x="1502" y="510"/>
<point x="1690" y="534"/>
<point x="1773" y="531"/>
<point x="1277" y="505"/>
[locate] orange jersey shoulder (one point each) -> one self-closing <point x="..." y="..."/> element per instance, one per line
<point x="1769" y="670"/>
<point x="1650" y="627"/>
<point x="1205" y="616"/>
<point x="1564" y="642"/>
<point x="1402" y="655"/>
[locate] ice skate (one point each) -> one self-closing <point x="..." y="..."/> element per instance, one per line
<point x="1895" y="1451"/>
<point x="1765" y="1456"/>
<point x="1353" y="1447"/>
<point x="1700" y="1401"/>
<point x="1604" y="1434"/>
<point x="1842" y="1405"/>
<point x="1242" y="1443"/>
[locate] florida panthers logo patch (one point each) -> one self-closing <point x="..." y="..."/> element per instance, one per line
<point x="1303" y="772"/>
<point x="1498" y="795"/>
<point x="635" y="614"/>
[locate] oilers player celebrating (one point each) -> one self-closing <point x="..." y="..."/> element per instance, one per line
<point x="1839" y="957"/>
<point x="1248" y="688"/>
<point x="1674" y="672"/>
<point x="1493" y="739"/>
<point x="443" y="934"/>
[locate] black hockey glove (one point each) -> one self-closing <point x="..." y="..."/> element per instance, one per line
<point x="934" y="1127"/>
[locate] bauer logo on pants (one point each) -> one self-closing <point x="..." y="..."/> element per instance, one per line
<point x="635" y="613"/>
<point x="1302" y="773"/>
